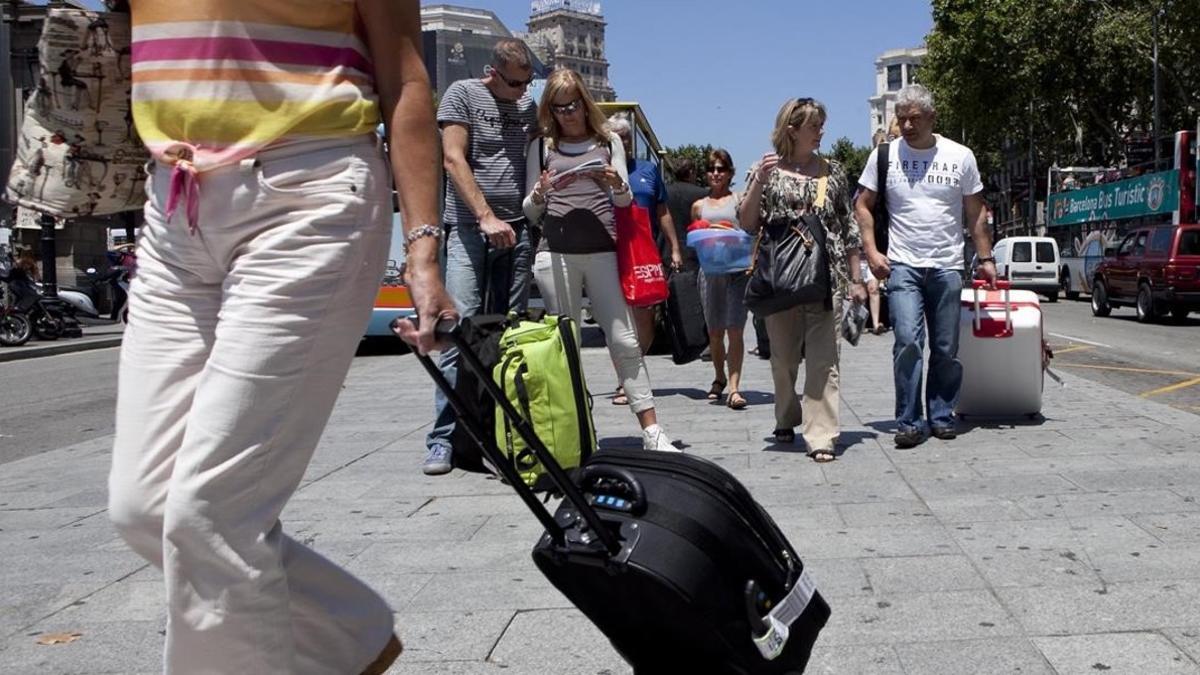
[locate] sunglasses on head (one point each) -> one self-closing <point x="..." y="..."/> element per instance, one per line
<point x="566" y="108"/>
<point x="515" y="84"/>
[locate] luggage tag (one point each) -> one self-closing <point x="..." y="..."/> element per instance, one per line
<point x="771" y="645"/>
<point x="778" y="621"/>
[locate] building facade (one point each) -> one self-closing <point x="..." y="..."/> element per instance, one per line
<point x="570" y="34"/>
<point x="893" y="70"/>
<point x="458" y="42"/>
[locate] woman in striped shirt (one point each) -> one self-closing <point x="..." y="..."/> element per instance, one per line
<point x="265" y="237"/>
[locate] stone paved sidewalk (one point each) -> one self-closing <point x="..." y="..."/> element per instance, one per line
<point x="1071" y="545"/>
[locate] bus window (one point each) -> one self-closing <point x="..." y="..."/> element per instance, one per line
<point x="1022" y="252"/>
<point x="1045" y="252"/>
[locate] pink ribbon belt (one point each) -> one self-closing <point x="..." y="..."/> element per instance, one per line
<point x="185" y="185"/>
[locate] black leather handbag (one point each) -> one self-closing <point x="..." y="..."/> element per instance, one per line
<point x="791" y="267"/>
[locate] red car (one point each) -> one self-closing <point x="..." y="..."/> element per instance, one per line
<point x="1155" y="270"/>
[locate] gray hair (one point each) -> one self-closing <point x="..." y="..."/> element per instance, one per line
<point x="915" y="95"/>
<point x="619" y="124"/>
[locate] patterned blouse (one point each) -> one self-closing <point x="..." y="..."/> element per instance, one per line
<point x="788" y="196"/>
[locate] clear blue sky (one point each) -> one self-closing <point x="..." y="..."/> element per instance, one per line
<point x="711" y="71"/>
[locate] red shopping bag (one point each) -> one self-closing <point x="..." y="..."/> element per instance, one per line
<point x="643" y="280"/>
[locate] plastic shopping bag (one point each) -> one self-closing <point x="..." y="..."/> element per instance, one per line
<point x="643" y="281"/>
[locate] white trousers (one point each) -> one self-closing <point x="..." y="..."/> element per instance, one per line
<point x="238" y="341"/>
<point x="562" y="277"/>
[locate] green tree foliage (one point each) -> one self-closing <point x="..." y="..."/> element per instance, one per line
<point x="852" y="157"/>
<point x="1078" y="71"/>
<point x="697" y="153"/>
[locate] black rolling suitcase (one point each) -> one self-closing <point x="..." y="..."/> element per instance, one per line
<point x="685" y="317"/>
<point x="667" y="554"/>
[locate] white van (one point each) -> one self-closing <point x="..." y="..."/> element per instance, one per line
<point x="1030" y="263"/>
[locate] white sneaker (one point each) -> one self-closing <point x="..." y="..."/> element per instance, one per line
<point x="655" y="439"/>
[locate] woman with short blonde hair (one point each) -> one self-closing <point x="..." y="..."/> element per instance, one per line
<point x="786" y="186"/>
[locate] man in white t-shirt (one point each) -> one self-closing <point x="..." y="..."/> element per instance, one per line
<point x="931" y="181"/>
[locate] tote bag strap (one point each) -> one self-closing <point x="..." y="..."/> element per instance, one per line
<point x="822" y="185"/>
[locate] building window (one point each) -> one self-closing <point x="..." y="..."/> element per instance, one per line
<point x="913" y="70"/>
<point x="895" y="79"/>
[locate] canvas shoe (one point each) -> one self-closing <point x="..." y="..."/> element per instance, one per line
<point x="437" y="460"/>
<point x="654" y="438"/>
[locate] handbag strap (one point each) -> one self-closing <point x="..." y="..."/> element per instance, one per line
<point x="822" y="185"/>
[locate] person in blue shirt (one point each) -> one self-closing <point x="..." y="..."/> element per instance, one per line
<point x="649" y="192"/>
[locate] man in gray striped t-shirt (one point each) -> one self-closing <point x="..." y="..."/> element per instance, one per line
<point x="486" y="125"/>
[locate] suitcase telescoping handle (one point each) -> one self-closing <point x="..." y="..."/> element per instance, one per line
<point x="1002" y="285"/>
<point x="453" y="330"/>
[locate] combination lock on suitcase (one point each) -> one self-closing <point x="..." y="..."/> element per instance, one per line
<point x="667" y="554"/>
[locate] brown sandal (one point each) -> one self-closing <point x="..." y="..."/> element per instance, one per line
<point x="822" y="456"/>
<point x="736" y="401"/>
<point x="717" y="388"/>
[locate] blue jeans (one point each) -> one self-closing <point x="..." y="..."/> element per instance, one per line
<point x="920" y="297"/>
<point x="477" y="274"/>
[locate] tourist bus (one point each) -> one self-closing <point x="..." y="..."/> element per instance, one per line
<point x="645" y="142"/>
<point x="1093" y="208"/>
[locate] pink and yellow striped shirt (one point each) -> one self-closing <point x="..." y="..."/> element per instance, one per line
<point x="215" y="81"/>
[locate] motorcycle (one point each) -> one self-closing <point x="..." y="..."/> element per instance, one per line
<point x="15" y="329"/>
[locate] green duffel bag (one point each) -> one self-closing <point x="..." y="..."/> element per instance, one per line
<point x="541" y="374"/>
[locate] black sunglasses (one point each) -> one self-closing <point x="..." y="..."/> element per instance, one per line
<point x="515" y="84"/>
<point x="718" y="168"/>
<point x="566" y="108"/>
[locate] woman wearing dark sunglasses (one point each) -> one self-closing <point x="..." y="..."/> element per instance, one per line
<point x="578" y="246"/>
<point x="723" y="295"/>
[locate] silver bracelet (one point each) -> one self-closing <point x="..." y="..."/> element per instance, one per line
<point x="421" y="232"/>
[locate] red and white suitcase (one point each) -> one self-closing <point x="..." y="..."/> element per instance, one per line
<point x="1000" y="347"/>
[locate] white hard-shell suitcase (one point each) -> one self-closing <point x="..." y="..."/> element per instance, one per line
<point x="1000" y="346"/>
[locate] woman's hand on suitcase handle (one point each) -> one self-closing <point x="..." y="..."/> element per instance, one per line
<point x="432" y="303"/>
<point x="676" y="259"/>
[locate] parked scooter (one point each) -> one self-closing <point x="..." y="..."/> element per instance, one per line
<point x="86" y="300"/>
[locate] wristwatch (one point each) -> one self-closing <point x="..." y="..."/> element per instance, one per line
<point x="989" y="259"/>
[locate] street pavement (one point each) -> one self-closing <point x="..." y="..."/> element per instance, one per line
<point x="1160" y="361"/>
<point x="1068" y="544"/>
